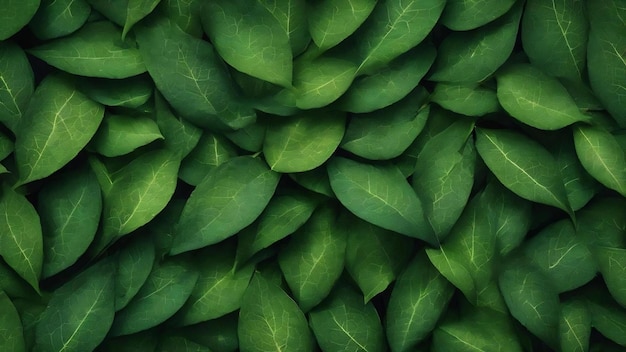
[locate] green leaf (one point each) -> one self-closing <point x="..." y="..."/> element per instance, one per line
<point x="229" y="198"/>
<point x="249" y="38"/>
<point x="21" y="243"/>
<point x="17" y="84"/>
<point x="292" y="16"/>
<point x="313" y="259"/>
<point x="114" y="10"/>
<point x="249" y="138"/>
<point x="140" y="190"/>
<point x="606" y="60"/>
<point x="219" y="288"/>
<point x="190" y="75"/>
<point x="12" y="337"/>
<point x="601" y="223"/>
<point x="531" y="300"/>
<point x="562" y="256"/>
<point x="343" y="322"/>
<point x="375" y="256"/>
<point x="574" y="326"/>
<point x="79" y="313"/>
<point x="580" y="186"/>
<point x="302" y="142"/>
<point x="332" y="22"/>
<point x="453" y="270"/>
<point x="181" y="137"/>
<point x="70" y="208"/>
<point x="380" y="195"/>
<point x="523" y="166"/>
<point x="559" y="28"/>
<point x="94" y="51"/>
<point x="121" y="134"/>
<point x="463" y="15"/>
<point x="185" y="14"/>
<point x="388" y="132"/>
<point x="178" y="343"/>
<point x="320" y="82"/>
<point x="59" y="18"/>
<point x="211" y="151"/>
<point x="315" y="180"/>
<point x="136" y="11"/>
<point x="602" y="156"/>
<point x="15" y="15"/>
<point x="57" y="125"/>
<point x="12" y="284"/>
<point x="536" y="99"/>
<point x="134" y="264"/>
<point x="129" y="92"/>
<point x="218" y="334"/>
<point x="418" y="299"/>
<point x="165" y="291"/>
<point x="390" y="84"/>
<point x="269" y="320"/>
<point x="473" y="56"/>
<point x="469" y="99"/>
<point x="612" y="265"/>
<point x="608" y="318"/>
<point x="393" y="28"/>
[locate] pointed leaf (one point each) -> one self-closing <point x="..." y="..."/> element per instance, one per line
<point x="59" y="18"/>
<point x="186" y="14"/>
<point x="292" y="16"/>
<point x="136" y="11"/>
<point x="331" y="23"/>
<point x="612" y="265"/>
<point x="12" y="336"/>
<point x="468" y="99"/>
<point x="380" y="195"/>
<point x="230" y="198"/>
<point x="181" y="137"/>
<point x="129" y="92"/>
<point x="120" y="134"/>
<point x="15" y="15"/>
<point x="322" y="81"/>
<point x="601" y="223"/>
<point x="580" y="186"/>
<point x="608" y="318"/>
<point x="57" y="125"/>
<point x="134" y="264"/>
<point x="463" y="15"/>
<point x="16" y="84"/>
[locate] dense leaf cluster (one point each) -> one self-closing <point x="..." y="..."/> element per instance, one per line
<point x="295" y="175"/>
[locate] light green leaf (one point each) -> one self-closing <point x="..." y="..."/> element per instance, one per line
<point x="21" y="243"/>
<point x="602" y="156"/>
<point x="473" y="56"/>
<point x="561" y="29"/>
<point x="57" y="125"/>
<point x="229" y="198"/>
<point x="463" y="15"/>
<point x="94" y="51"/>
<point x="313" y="259"/>
<point x="269" y="320"/>
<point x="56" y="18"/>
<point x="302" y="142"/>
<point x="190" y="75"/>
<point x="523" y="166"/>
<point x="374" y="256"/>
<point x="249" y="38"/>
<point x="612" y="265"/>
<point x="219" y="288"/>
<point x="320" y="82"/>
<point x="531" y="300"/>
<point x="536" y="99"/>
<point x="70" y="207"/>
<point x="344" y="322"/>
<point x="140" y="190"/>
<point x="181" y="137"/>
<point x="17" y="84"/>
<point x="134" y="264"/>
<point x="469" y="99"/>
<point x="330" y="22"/>
<point x="380" y="195"/>
<point x="136" y="11"/>
<point x="418" y="299"/>
<point x="574" y="326"/>
<point x="390" y="84"/>
<point x="388" y="132"/>
<point x="606" y="60"/>
<point x="12" y="336"/>
<point x="292" y="16"/>
<point x="393" y="28"/>
<point x="562" y="256"/>
<point x="79" y="313"/>
<point x="211" y="151"/>
<point x="129" y="92"/>
<point x="15" y="15"/>
<point x="121" y="134"/>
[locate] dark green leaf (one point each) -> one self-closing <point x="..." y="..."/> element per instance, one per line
<point x="314" y="257"/>
<point x="114" y="10"/>
<point x="418" y="299"/>
<point x="469" y="99"/>
<point x="523" y="166"/>
<point x="602" y="223"/>
<point x="134" y="264"/>
<point x="580" y="186"/>
<point x="12" y="284"/>
<point x="270" y="321"/>
<point x="612" y="265"/>
<point x="16" y="84"/>
<point x="229" y="198"/>
<point x="211" y="151"/>
<point x="178" y="343"/>
<point x="249" y="138"/>
<point x="57" y="125"/>
<point x="315" y="180"/>
<point x="463" y="15"/>
<point x="303" y="142"/>
<point x="136" y="11"/>
<point x="15" y="15"/>
<point x="12" y="335"/>
<point x="219" y="334"/>
<point x="320" y="82"/>
<point x="59" y="18"/>
<point x="6" y="146"/>
<point x="332" y="22"/>
<point x="130" y="92"/>
<point x="70" y="208"/>
<point x="121" y="134"/>
<point x="79" y="313"/>
<point x="574" y="326"/>
<point x="181" y="137"/>
<point x="21" y="243"/>
<point x="165" y="291"/>
<point x="185" y="14"/>
<point x="609" y="319"/>
<point x="380" y="195"/>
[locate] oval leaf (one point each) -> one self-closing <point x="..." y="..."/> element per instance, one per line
<point x="332" y="22"/>
<point x="59" y="18"/>
<point x="320" y="82"/>
<point x="17" y="84"/>
<point x="468" y="99"/>
<point x="120" y="134"/>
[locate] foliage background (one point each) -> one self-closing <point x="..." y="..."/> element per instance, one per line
<point x="294" y="175"/>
